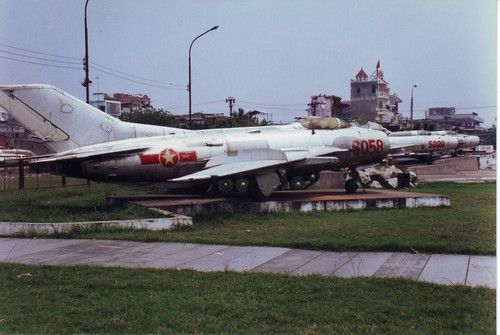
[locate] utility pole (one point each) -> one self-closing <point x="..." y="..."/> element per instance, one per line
<point x="86" y="82"/>
<point x="189" y="88"/>
<point x="411" y="106"/>
<point x="231" y="102"/>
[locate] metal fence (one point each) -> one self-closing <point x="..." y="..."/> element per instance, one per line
<point x="11" y="179"/>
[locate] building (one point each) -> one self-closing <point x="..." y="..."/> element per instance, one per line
<point x="119" y="103"/>
<point x="200" y="120"/>
<point x="323" y="105"/>
<point x="112" y="107"/>
<point x="371" y="99"/>
<point x="446" y="118"/>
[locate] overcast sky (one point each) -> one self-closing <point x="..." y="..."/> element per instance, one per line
<point x="270" y="55"/>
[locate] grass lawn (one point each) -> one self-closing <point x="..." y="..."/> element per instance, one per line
<point x="66" y="204"/>
<point x="98" y="300"/>
<point x="468" y="226"/>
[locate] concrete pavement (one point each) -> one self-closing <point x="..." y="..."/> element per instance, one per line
<point x="440" y="269"/>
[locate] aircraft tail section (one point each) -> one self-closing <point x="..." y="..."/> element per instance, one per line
<point x="64" y="122"/>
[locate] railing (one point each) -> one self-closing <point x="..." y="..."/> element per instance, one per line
<point x="10" y="180"/>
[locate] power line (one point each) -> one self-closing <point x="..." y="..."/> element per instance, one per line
<point x="37" y="52"/>
<point x="95" y="66"/>
<point x="272" y="105"/>
<point x="278" y="108"/>
<point x="137" y="81"/>
<point x="39" y="58"/>
<point x="456" y="108"/>
<point x="36" y="63"/>
<point x="199" y="104"/>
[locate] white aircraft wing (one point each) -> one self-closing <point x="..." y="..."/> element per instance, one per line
<point x="247" y="161"/>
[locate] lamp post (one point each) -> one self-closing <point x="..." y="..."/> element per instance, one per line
<point x="86" y="81"/>
<point x="189" y="83"/>
<point x="411" y="106"/>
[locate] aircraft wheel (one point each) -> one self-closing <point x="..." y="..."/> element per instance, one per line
<point x="351" y="186"/>
<point x="297" y="183"/>
<point x="312" y="178"/>
<point x="225" y="185"/>
<point x="241" y="185"/>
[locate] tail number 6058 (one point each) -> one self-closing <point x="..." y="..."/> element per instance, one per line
<point x="367" y="147"/>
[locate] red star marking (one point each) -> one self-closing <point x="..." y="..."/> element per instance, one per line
<point x="169" y="158"/>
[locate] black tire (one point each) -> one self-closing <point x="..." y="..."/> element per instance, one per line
<point x="254" y="190"/>
<point x="297" y="183"/>
<point x="351" y="186"/>
<point x="225" y="185"/>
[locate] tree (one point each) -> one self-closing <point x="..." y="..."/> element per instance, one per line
<point x="238" y="119"/>
<point x="158" y="117"/>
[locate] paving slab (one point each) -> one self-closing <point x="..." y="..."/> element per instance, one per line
<point x="324" y="264"/>
<point x="218" y="260"/>
<point x="71" y="252"/>
<point x="445" y="269"/>
<point x="363" y="264"/>
<point x="135" y="255"/>
<point x="11" y="248"/>
<point x="288" y="262"/>
<point x="252" y="259"/>
<point x="189" y="254"/>
<point x="482" y="271"/>
<point x="403" y="265"/>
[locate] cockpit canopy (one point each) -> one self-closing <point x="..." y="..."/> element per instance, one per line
<point x="445" y="132"/>
<point x="324" y="123"/>
<point x="411" y="133"/>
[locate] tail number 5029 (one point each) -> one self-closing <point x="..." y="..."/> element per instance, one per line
<point x="437" y="144"/>
<point x="367" y="147"/>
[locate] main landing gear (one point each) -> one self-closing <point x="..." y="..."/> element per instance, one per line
<point x="258" y="187"/>
<point x="262" y="185"/>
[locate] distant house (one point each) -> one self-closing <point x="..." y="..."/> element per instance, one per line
<point x="447" y="118"/>
<point x="200" y="120"/>
<point x="324" y="105"/>
<point x="119" y="103"/>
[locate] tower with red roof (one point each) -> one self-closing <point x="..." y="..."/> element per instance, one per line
<point x="371" y="99"/>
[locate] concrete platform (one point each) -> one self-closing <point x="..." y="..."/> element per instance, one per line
<point x="170" y="221"/>
<point x="439" y="269"/>
<point x="289" y="201"/>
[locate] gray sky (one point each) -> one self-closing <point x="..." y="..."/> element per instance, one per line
<point x="269" y="55"/>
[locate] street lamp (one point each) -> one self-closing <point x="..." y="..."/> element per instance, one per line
<point x="189" y="83"/>
<point x="411" y="106"/>
<point x="86" y="81"/>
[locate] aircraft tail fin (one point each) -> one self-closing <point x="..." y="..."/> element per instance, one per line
<point x="64" y="122"/>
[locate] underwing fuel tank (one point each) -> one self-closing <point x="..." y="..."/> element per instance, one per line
<point x="133" y="169"/>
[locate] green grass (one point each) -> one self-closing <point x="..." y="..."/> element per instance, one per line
<point x="55" y="300"/>
<point x="468" y="226"/>
<point x="67" y="204"/>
